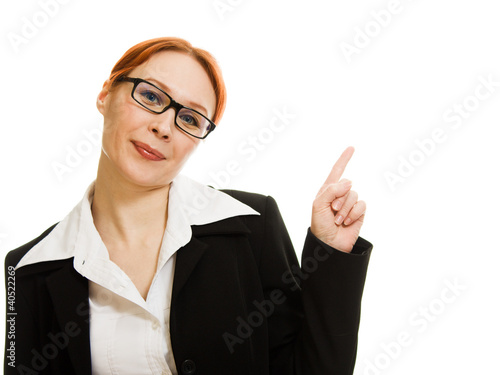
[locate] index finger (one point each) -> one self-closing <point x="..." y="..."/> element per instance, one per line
<point x="339" y="166"/>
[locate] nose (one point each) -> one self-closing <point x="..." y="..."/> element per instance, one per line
<point x="163" y="124"/>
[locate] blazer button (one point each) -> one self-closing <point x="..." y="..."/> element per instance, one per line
<point x="188" y="367"/>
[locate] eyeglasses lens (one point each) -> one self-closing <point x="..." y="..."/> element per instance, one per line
<point x="155" y="100"/>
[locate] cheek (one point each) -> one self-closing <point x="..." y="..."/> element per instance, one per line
<point x="185" y="148"/>
<point x="119" y="122"/>
<point x="111" y="134"/>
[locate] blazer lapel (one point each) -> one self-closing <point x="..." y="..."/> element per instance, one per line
<point x="69" y="292"/>
<point x="189" y="255"/>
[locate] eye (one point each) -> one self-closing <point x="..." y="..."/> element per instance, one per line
<point x="189" y="120"/>
<point x="150" y="98"/>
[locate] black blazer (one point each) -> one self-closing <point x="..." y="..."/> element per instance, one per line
<point x="240" y="304"/>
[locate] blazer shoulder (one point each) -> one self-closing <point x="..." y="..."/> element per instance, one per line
<point x="14" y="256"/>
<point x="254" y="200"/>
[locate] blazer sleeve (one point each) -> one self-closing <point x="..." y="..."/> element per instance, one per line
<point x="314" y="327"/>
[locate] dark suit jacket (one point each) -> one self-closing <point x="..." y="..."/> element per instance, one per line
<point x="240" y="304"/>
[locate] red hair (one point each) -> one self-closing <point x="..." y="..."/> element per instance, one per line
<point x="142" y="52"/>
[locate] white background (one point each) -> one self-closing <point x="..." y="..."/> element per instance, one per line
<point x="435" y="227"/>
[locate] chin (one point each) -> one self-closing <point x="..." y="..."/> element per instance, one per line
<point x="141" y="177"/>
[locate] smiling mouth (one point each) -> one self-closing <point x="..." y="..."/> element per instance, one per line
<point x="148" y="152"/>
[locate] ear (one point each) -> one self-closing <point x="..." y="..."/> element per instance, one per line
<point x="101" y="97"/>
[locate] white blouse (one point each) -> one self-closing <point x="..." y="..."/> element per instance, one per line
<point x="130" y="335"/>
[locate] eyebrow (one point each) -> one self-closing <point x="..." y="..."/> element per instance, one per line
<point x="166" y="88"/>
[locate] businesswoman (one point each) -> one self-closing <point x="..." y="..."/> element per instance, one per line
<point x="154" y="273"/>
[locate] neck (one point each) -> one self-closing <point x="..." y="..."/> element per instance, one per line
<point x="126" y="213"/>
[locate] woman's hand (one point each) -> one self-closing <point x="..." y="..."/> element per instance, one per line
<point x="337" y="215"/>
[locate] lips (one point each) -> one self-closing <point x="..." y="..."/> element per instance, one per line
<point x="148" y="152"/>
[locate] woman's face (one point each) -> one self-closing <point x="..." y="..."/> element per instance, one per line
<point x="127" y="124"/>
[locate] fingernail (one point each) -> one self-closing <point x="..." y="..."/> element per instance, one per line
<point x="347" y="183"/>
<point x="337" y="205"/>
<point x="347" y="221"/>
<point x="339" y="219"/>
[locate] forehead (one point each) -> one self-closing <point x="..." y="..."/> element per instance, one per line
<point x="181" y="76"/>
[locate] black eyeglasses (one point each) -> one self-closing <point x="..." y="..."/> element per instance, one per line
<point x="158" y="101"/>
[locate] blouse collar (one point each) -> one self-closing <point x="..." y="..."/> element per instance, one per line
<point x="189" y="203"/>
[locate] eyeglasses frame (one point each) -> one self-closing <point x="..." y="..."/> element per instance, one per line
<point x="173" y="104"/>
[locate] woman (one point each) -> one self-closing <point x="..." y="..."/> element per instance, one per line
<point x="154" y="273"/>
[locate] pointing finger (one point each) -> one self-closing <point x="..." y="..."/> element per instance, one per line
<point x="339" y="166"/>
